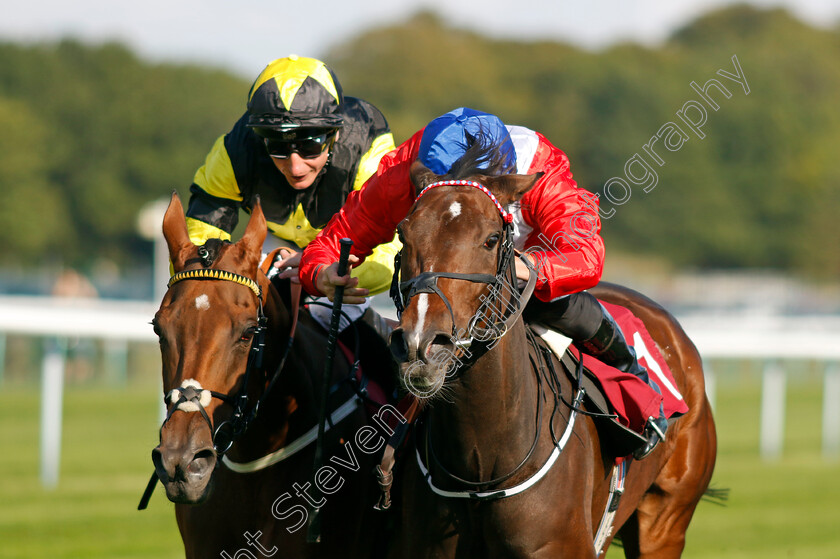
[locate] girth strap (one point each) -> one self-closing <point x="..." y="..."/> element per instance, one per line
<point x="384" y="470"/>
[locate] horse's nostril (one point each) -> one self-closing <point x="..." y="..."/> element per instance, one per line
<point x="162" y="471"/>
<point x="398" y="346"/>
<point x="438" y="343"/>
<point x="203" y="460"/>
<point x="441" y="340"/>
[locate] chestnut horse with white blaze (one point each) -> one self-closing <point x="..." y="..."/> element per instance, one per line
<point x="241" y="473"/>
<point x="505" y="462"/>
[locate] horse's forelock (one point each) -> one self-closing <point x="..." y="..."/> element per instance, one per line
<point x="210" y="253"/>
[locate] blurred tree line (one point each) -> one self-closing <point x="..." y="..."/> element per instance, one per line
<point x="91" y="133"/>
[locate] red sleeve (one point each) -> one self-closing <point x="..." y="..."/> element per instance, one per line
<point x="369" y="216"/>
<point x="565" y="242"/>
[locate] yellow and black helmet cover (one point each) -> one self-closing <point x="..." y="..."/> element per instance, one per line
<point x="293" y="93"/>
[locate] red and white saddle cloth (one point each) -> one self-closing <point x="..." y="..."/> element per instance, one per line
<point x="629" y="397"/>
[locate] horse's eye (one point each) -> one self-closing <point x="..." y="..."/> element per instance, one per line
<point x="248" y="334"/>
<point x="492" y="241"/>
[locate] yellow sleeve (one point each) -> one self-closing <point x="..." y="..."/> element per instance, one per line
<point x="199" y="232"/>
<point x="376" y="271"/>
<point x="216" y="176"/>
<point x="215" y="193"/>
<point x="370" y="160"/>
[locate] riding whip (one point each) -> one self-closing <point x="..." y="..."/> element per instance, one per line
<point x="314" y="530"/>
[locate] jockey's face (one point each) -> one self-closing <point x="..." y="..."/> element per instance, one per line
<point x="300" y="172"/>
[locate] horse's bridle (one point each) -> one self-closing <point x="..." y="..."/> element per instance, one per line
<point x="190" y="396"/>
<point x="426" y="282"/>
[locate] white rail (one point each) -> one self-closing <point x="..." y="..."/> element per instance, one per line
<point x="77" y="318"/>
<point x="766" y="338"/>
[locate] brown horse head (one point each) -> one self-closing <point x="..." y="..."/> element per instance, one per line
<point x="451" y="229"/>
<point x="205" y="325"/>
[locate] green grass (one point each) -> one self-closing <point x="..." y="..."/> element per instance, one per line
<point x="108" y="435"/>
<point x="779" y="509"/>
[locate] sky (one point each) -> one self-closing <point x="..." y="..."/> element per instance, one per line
<point x="243" y="36"/>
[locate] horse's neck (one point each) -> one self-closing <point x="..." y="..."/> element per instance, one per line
<point x="488" y="419"/>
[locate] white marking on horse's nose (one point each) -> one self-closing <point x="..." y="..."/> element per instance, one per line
<point x="422" y="307"/>
<point x="202" y="302"/>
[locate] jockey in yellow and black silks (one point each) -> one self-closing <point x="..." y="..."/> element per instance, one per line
<point x="302" y="147"/>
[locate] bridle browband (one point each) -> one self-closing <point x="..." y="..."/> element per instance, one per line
<point x="426" y="282"/>
<point x="218" y="275"/>
<point x="507" y="217"/>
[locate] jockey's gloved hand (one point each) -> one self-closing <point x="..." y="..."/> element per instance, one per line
<point x="286" y="265"/>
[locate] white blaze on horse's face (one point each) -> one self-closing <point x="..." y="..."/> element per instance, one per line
<point x="422" y="307"/>
<point x="202" y="302"/>
<point x="455" y="209"/>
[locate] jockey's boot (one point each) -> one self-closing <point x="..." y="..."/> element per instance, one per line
<point x="609" y="345"/>
<point x="654" y="430"/>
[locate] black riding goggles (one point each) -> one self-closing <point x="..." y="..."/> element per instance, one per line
<point x="307" y="148"/>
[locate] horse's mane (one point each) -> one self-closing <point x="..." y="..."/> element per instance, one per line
<point x="484" y="156"/>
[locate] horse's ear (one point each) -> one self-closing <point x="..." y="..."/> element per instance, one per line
<point x="511" y="188"/>
<point x="175" y="232"/>
<point x="254" y="237"/>
<point x="421" y="176"/>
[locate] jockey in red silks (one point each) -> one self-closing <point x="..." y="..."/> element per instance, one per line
<point x="555" y="223"/>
